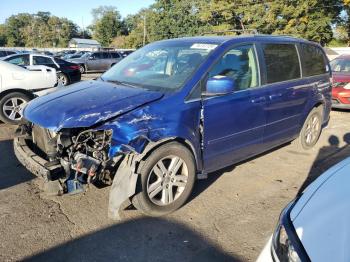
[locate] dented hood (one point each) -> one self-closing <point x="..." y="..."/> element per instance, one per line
<point x="86" y="104"/>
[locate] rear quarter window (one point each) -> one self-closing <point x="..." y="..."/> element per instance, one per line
<point x="314" y="62"/>
<point x="282" y="62"/>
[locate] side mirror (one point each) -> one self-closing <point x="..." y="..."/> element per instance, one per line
<point x="219" y="85"/>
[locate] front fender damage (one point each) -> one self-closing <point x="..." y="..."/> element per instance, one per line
<point x="123" y="186"/>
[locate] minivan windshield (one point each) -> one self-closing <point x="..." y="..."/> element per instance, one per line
<point x="163" y="66"/>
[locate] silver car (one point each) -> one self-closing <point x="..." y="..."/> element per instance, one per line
<point x="97" y="61"/>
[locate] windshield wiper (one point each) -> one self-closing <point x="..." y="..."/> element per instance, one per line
<point x="121" y="83"/>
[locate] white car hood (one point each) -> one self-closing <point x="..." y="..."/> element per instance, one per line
<point x="321" y="217"/>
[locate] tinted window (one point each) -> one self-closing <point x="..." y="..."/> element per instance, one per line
<point x="115" y="55"/>
<point x="60" y="61"/>
<point x="314" y="62"/>
<point x="21" y="60"/>
<point x="282" y="62"/>
<point x="240" y="64"/>
<point x="3" y="53"/>
<point x="41" y="60"/>
<point x="106" y="55"/>
<point x="10" y="53"/>
<point x="97" y="55"/>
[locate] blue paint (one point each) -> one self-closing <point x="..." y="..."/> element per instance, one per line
<point x="222" y="85"/>
<point x="237" y="125"/>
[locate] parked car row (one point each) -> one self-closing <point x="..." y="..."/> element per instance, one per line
<point x="18" y="85"/>
<point x="67" y="73"/>
<point x="96" y="61"/>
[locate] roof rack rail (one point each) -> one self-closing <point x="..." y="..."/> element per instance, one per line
<point x="253" y="31"/>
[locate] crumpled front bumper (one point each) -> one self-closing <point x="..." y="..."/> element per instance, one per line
<point x="34" y="163"/>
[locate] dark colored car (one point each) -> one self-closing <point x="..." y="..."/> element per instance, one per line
<point x="4" y="53"/>
<point x="125" y="53"/>
<point x="60" y="54"/>
<point x="97" y="61"/>
<point x="67" y="73"/>
<point x="75" y="55"/>
<point x="341" y="82"/>
<point x="176" y="110"/>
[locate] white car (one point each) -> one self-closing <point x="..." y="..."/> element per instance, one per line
<point x="18" y="85"/>
<point x="315" y="226"/>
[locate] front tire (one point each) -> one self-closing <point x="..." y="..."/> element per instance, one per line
<point x="11" y="106"/>
<point x="311" y="130"/>
<point x="166" y="180"/>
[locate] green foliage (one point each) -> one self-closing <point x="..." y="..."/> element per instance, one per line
<point x="316" y="20"/>
<point x="37" y="30"/>
<point x="107" y="24"/>
<point x="3" y="37"/>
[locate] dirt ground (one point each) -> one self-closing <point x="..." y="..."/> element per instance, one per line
<point x="228" y="218"/>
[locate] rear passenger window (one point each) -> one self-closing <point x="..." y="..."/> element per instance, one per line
<point x="282" y="62"/>
<point x="313" y="60"/>
<point x="106" y="55"/>
<point x="115" y="55"/>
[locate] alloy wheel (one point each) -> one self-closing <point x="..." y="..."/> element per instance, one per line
<point x="62" y="80"/>
<point x="312" y="130"/>
<point x="167" y="180"/>
<point x="12" y="108"/>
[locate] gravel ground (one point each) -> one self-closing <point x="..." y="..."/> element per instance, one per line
<point x="229" y="217"/>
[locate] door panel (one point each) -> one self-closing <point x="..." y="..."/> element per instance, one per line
<point x="284" y="110"/>
<point x="233" y="127"/>
<point x="288" y="92"/>
<point x="234" y="123"/>
<point x="95" y="64"/>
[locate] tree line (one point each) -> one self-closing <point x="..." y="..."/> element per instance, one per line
<point x="323" y="21"/>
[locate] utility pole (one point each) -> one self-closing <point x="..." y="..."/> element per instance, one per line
<point x="144" y="29"/>
<point x="82" y="22"/>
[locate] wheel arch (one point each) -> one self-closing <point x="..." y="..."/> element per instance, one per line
<point x="17" y="90"/>
<point x="152" y="146"/>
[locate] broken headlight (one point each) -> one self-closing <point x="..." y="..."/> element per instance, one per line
<point x="286" y="245"/>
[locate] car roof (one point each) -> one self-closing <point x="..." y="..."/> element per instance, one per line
<point x="222" y="39"/>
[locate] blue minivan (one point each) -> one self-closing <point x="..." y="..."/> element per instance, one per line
<point x="174" y="111"/>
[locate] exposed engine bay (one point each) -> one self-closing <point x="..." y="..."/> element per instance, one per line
<point x="81" y="153"/>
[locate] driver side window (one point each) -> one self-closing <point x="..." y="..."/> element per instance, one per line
<point x="240" y="64"/>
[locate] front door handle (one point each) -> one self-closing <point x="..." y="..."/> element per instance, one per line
<point x="274" y="96"/>
<point x="259" y="100"/>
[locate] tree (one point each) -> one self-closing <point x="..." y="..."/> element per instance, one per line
<point x="39" y="30"/>
<point x="14" y="26"/>
<point x="107" y="24"/>
<point x="3" y="39"/>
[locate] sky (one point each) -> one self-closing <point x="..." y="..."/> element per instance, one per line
<point x="77" y="11"/>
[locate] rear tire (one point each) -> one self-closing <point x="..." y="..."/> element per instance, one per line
<point x="311" y="130"/>
<point x="62" y="79"/>
<point x="82" y="69"/>
<point x="166" y="180"/>
<point x="10" y="107"/>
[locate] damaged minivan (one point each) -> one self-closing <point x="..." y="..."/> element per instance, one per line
<point x="174" y="111"/>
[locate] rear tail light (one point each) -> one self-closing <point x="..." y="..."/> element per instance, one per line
<point x="74" y="67"/>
